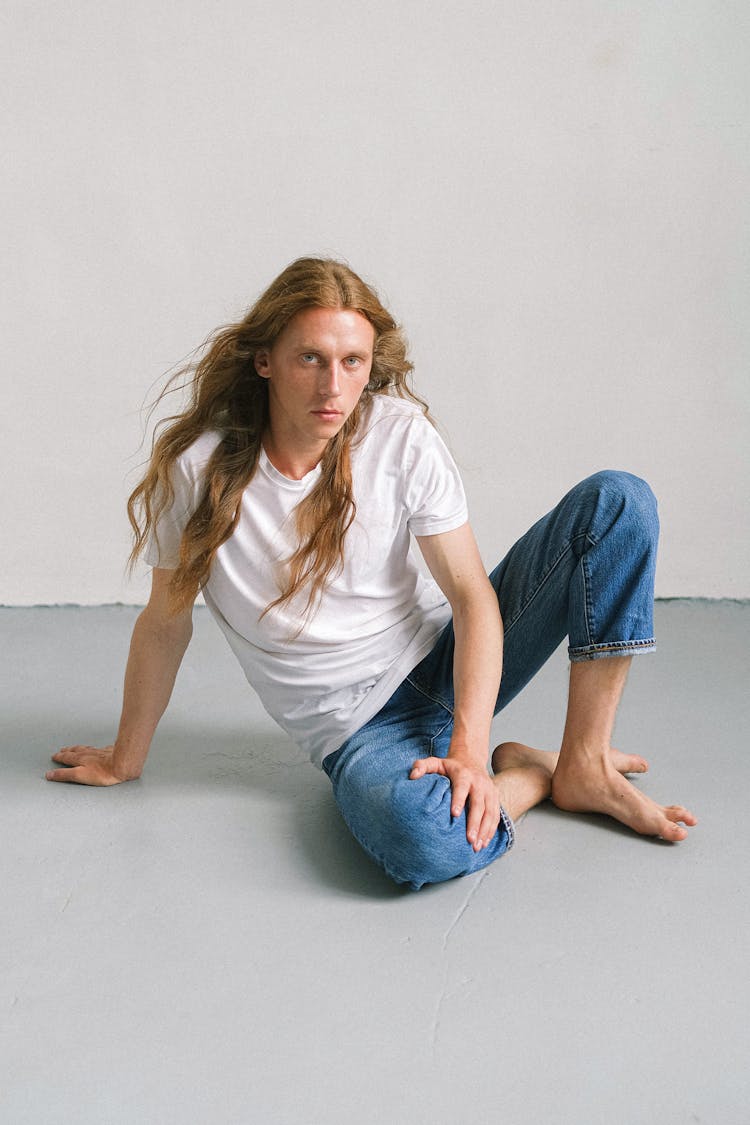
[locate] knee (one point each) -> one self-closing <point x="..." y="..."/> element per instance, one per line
<point x="425" y="844"/>
<point x="406" y="827"/>
<point x="629" y="496"/>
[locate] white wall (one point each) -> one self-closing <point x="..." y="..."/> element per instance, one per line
<point x="552" y="197"/>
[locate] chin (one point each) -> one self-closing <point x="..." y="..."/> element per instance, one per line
<point x="334" y="424"/>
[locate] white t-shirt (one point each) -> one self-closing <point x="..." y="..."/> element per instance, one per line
<point x="377" y="618"/>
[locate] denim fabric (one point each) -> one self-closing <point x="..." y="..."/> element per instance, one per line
<point x="585" y="570"/>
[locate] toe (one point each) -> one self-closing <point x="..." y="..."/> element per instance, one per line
<point x="635" y="764"/>
<point x="676" y="819"/>
<point x="673" y="832"/>
<point x="678" y="813"/>
<point x="629" y="763"/>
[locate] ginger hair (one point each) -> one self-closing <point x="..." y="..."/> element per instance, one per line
<point x="227" y="395"/>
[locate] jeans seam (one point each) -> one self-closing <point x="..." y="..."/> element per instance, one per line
<point x="588" y="600"/>
<point x="432" y="698"/>
<point x="439" y="732"/>
<point x="545" y="577"/>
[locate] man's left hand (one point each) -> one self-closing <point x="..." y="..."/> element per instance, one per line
<point x="472" y="784"/>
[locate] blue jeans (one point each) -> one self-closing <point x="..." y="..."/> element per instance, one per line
<point x="585" y="570"/>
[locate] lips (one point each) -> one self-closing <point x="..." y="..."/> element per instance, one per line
<point x="327" y="415"/>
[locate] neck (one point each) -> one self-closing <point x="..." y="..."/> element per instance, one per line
<point x="293" y="463"/>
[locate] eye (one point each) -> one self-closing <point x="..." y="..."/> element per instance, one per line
<point x="352" y="361"/>
<point x="309" y="357"/>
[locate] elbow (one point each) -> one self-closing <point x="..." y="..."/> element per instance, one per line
<point x="173" y="630"/>
<point x="480" y="603"/>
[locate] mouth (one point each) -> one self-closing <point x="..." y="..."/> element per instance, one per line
<point x="328" y="415"/>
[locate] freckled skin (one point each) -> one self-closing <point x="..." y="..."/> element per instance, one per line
<point x="316" y="370"/>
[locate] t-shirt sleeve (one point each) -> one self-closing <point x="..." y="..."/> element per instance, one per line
<point x="163" y="548"/>
<point x="435" y="497"/>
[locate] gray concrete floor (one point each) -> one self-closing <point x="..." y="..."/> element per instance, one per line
<point x="208" y="945"/>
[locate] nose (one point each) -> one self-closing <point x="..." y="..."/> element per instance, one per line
<point x="330" y="381"/>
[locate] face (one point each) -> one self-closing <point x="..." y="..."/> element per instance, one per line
<point x="316" y="372"/>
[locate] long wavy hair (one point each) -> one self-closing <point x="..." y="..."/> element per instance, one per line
<point x="227" y="395"/>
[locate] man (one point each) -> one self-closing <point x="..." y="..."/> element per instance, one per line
<point x="289" y="491"/>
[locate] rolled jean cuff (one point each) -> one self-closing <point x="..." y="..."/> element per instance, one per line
<point x="611" y="648"/>
<point x="510" y="829"/>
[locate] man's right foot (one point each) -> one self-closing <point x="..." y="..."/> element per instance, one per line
<point x="600" y="788"/>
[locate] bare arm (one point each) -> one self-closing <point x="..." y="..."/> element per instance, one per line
<point x="157" y="647"/>
<point x="454" y="561"/>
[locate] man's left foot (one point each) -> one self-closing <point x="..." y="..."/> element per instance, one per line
<point x="509" y="754"/>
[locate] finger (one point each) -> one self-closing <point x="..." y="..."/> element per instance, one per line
<point x="426" y="765"/>
<point x="75" y="774"/>
<point x="488" y="827"/>
<point x="459" y="793"/>
<point x="68" y="756"/>
<point x="474" y="819"/>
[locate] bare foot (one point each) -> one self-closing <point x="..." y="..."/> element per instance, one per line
<point x="523" y="777"/>
<point x="598" y="787"/>
<point x="509" y="754"/>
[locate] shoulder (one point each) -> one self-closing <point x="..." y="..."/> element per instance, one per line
<point x="389" y="406"/>
<point x="399" y="423"/>
<point x="397" y="438"/>
<point x="390" y="432"/>
<point x="396" y="417"/>
<point x="192" y="462"/>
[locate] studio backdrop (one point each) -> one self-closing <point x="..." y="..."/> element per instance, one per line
<point x="551" y="197"/>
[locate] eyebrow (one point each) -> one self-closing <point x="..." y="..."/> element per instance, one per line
<point x="316" y="349"/>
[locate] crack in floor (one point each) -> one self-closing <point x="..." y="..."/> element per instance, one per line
<point x="437" y="1014"/>
<point x="464" y="907"/>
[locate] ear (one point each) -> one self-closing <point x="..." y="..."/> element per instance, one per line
<point x="262" y="363"/>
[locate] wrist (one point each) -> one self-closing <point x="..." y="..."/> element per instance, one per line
<point x="469" y="752"/>
<point x="127" y="761"/>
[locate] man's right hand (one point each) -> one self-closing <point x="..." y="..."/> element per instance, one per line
<point x="157" y="646"/>
<point x="87" y="765"/>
